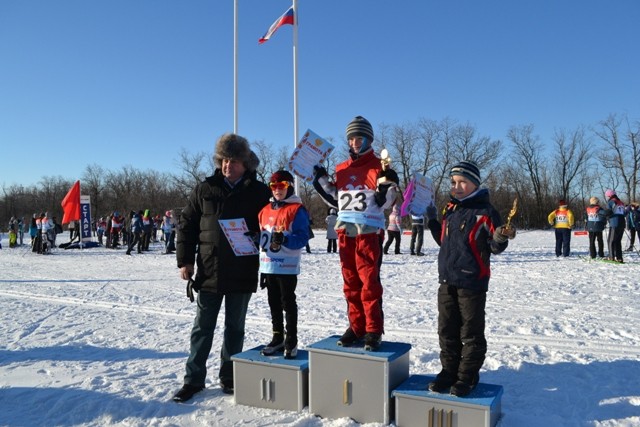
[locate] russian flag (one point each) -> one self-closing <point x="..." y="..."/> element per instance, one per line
<point x="286" y="19"/>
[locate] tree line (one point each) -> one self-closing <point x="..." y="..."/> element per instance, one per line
<point x="574" y="165"/>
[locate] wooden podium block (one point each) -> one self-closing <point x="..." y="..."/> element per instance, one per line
<point x="271" y="381"/>
<point x="351" y="382"/>
<point x="417" y="406"/>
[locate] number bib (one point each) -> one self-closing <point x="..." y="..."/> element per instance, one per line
<point x="359" y="207"/>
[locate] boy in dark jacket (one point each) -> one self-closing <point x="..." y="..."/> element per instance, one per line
<point x="470" y="232"/>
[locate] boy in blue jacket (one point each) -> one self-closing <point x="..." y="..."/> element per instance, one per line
<point x="284" y="231"/>
<point x="470" y="232"/>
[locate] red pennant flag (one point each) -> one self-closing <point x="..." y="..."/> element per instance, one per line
<point x="71" y="204"/>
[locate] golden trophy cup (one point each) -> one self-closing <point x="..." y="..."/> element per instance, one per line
<point x="385" y="160"/>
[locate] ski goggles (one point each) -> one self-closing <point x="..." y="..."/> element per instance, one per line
<point x="281" y="185"/>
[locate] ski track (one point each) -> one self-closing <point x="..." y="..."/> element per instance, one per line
<point x="134" y="329"/>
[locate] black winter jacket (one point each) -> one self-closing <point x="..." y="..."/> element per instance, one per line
<point x="201" y="241"/>
<point x="466" y="242"/>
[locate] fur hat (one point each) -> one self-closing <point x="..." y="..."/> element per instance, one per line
<point x="360" y="126"/>
<point x="468" y="169"/>
<point x="232" y="146"/>
<point x="610" y="193"/>
<point x="594" y="200"/>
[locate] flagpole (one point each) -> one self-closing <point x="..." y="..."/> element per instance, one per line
<point x="295" y="86"/>
<point x="235" y="66"/>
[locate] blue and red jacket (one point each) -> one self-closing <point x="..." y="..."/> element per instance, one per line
<point x="466" y="241"/>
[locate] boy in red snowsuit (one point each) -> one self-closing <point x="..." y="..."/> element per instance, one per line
<point x="361" y="193"/>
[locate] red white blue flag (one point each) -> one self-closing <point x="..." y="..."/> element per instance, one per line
<point x="286" y="19"/>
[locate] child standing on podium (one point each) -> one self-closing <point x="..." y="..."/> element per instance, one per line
<point x="284" y="231"/>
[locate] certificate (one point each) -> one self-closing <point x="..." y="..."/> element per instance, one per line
<point x="418" y="196"/>
<point x="234" y="230"/>
<point x="310" y="151"/>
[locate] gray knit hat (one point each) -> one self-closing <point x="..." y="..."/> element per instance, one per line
<point x="232" y="146"/>
<point x="360" y="126"/>
<point x="468" y="169"/>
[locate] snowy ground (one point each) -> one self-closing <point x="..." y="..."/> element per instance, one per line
<point x="95" y="337"/>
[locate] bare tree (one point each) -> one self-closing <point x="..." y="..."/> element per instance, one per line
<point x="573" y="152"/>
<point x="428" y="134"/>
<point x="192" y="171"/>
<point x="620" y="155"/>
<point x="528" y="155"/>
<point x="402" y="147"/>
<point x="92" y="183"/>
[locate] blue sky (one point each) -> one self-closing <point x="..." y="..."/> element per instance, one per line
<point x="124" y="82"/>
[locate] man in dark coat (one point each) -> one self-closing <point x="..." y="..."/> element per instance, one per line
<point x="233" y="192"/>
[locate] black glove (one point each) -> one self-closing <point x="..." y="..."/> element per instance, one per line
<point x="191" y="288"/>
<point x="277" y="238"/>
<point x="380" y="195"/>
<point x="432" y="213"/>
<point x="388" y="175"/>
<point x="501" y="234"/>
<point x="255" y="236"/>
<point x="319" y="172"/>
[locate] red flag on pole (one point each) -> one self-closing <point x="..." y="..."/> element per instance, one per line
<point x="71" y="204"/>
<point x="286" y="19"/>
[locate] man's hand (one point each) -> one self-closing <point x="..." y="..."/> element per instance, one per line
<point x="186" y="271"/>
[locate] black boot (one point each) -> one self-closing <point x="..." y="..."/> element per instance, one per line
<point x="464" y="386"/>
<point x="276" y="344"/>
<point x="444" y="380"/>
<point x="186" y="392"/>
<point x="291" y="347"/>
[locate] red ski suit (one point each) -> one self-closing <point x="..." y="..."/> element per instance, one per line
<point x="360" y="244"/>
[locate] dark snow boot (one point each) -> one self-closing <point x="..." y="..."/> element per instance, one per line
<point x="444" y="380"/>
<point x="290" y="347"/>
<point x="276" y="344"/>
<point x="463" y="387"/>
<point x="372" y="341"/>
<point x="186" y="392"/>
<point x="348" y="338"/>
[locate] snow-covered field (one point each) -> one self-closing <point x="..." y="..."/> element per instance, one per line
<point x="94" y="337"/>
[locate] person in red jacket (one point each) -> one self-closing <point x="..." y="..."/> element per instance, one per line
<point x="361" y="193"/>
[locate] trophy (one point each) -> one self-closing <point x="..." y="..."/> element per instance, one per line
<point x="385" y="160"/>
<point x="507" y="227"/>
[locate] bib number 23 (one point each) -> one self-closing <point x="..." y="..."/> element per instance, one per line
<point x="353" y="201"/>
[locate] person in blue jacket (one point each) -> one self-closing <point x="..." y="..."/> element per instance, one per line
<point x="470" y="232"/>
<point x="632" y="218"/>
<point x="284" y="231"/>
<point x="136" y="231"/>
<point x="615" y="214"/>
